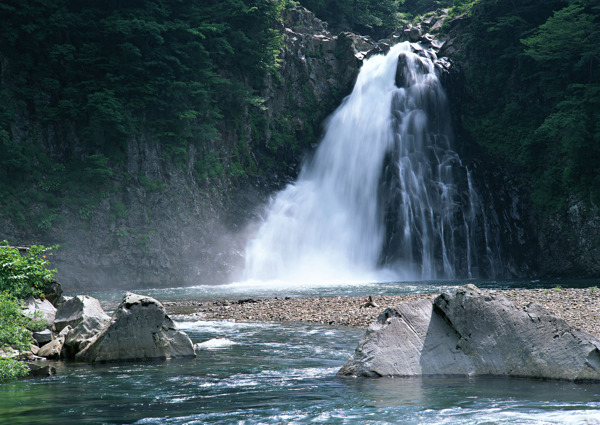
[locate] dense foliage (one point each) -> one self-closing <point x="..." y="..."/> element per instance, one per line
<point x="102" y="73"/>
<point x="80" y="79"/>
<point x="534" y="80"/>
<point x="14" y="334"/>
<point x="20" y="276"/>
<point x="377" y="18"/>
<point x="23" y="275"/>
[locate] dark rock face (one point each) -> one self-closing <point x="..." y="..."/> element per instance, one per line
<point x="467" y="332"/>
<point x="570" y="242"/>
<point x="140" y="329"/>
<point x="53" y="292"/>
<point x="187" y="232"/>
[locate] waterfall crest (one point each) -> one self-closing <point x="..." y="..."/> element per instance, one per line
<point x="381" y="199"/>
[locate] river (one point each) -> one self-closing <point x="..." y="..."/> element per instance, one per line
<point x="285" y="373"/>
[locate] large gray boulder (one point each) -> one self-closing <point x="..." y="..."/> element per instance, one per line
<point x="468" y="332"/>
<point x="78" y="309"/>
<point x="86" y="318"/>
<point x="42" y="337"/>
<point x="139" y="329"/>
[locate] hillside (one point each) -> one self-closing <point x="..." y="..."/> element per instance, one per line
<point x="144" y="138"/>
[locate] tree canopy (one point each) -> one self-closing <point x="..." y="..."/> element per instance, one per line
<point x="105" y="72"/>
<point x="534" y="80"/>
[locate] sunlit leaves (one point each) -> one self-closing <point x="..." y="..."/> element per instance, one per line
<point x="22" y="275"/>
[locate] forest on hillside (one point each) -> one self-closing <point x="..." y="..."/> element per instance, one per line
<point x="89" y="76"/>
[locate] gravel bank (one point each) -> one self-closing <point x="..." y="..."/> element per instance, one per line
<point x="580" y="307"/>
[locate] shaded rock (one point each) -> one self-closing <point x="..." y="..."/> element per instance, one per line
<point x="52" y="349"/>
<point x="467" y="332"/>
<point x="86" y="317"/>
<point x="43" y="337"/>
<point x="45" y="307"/>
<point x="37" y="371"/>
<point x="139" y="329"/>
<point x="83" y="334"/>
<point x="404" y="77"/>
<point x="53" y="292"/>
<point x="78" y="309"/>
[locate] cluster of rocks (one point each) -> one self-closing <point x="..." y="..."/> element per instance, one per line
<point x="79" y="329"/>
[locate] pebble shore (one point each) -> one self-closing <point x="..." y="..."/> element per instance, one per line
<point x="579" y="307"/>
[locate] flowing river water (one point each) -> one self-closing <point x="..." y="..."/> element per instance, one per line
<point x="284" y="373"/>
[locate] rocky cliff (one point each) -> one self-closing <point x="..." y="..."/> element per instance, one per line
<point x="160" y="225"/>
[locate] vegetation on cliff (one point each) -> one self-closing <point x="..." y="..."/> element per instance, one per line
<point x="80" y="80"/>
<point x="88" y="77"/>
<point x="533" y="81"/>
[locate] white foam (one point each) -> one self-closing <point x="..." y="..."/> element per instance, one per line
<point x="214" y="344"/>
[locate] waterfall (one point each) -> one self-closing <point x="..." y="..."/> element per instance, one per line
<point x="384" y="197"/>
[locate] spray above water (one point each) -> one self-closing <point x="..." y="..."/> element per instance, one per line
<point x="379" y="200"/>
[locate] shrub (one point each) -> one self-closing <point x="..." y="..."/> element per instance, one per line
<point x="14" y="334"/>
<point x="23" y="275"/>
<point x="12" y="369"/>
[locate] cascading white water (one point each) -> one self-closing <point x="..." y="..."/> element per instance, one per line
<point x="379" y="195"/>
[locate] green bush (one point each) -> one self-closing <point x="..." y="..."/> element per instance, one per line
<point x="12" y="369"/>
<point x="14" y="334"/>
<point x="23" y="275"/>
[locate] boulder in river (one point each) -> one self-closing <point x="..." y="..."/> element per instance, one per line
<point x="43" y="337"/>
<point x="469" y="332"/>
<point x="139" y="329"/>
<point x="81" y="308"/>
<point x="54" y="349"/>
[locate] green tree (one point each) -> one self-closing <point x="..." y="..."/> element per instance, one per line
<point x="92" y="76"/>
<point x="567" y="50"/>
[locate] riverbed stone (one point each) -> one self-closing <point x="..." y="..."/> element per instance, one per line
<point x="43" y="337"/>
<point x="53" y="349"/>
<point x="40" y="370"/>
<point x="139" y="329"/>
<point x="469" y="332"/>
<point x="81" y="308"/>
<point x="42" y="308"/>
